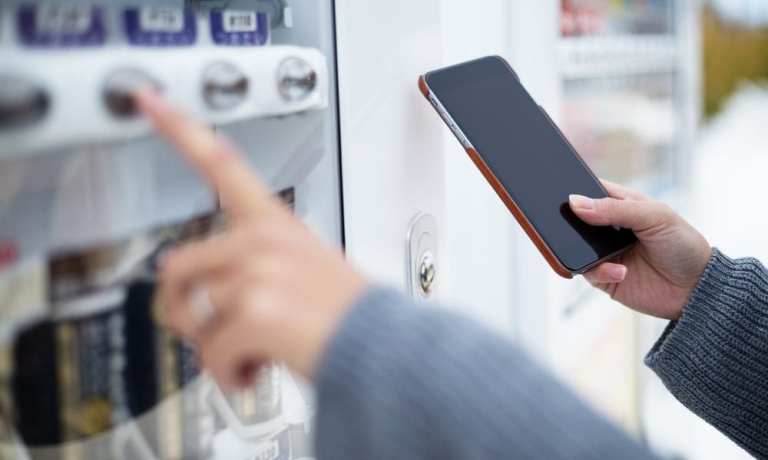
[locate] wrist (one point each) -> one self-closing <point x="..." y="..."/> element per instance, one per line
<point x="322" y="325"/>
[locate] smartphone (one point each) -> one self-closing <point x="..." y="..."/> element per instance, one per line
<point x="526" y="159"/>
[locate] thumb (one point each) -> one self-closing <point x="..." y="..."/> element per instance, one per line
<point x="632" y="214"/>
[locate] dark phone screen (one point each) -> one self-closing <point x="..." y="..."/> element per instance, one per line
<point x="529" y="156"/>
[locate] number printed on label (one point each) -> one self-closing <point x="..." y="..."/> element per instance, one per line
<point x="63" y="19"/>
<point x="158" y="19"/>
<point x="240" y="21"/>
<point x="270" y="452"/>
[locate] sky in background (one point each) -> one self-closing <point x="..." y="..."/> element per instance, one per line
<point x="753" y="12"/>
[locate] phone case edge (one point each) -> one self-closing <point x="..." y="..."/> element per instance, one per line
<point x="509" y="202"/>
<point x="519" y="216"/>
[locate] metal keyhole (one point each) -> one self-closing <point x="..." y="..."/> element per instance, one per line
<point x="296" y="79"/>
<point x="427" y="273"/>
<point x="422" y="257"/>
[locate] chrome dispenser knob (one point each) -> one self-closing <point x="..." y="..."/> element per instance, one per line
<point x="224" y="86"/>
<point x="21" y="102"/>
<point x="296" y="79"/>
<point x="120" y="88"/>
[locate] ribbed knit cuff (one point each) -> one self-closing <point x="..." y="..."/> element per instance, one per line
<point x="714" y="359"/>
<point x="363" y="378"/>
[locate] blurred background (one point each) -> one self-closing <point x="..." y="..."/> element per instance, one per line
<point x="683" y="117"/>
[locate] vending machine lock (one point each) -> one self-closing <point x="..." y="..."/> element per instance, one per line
<point x="422" y="256"/>
<point x="427" y="273"/>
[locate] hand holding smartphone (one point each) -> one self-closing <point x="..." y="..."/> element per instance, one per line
<point x="526" y="159"/>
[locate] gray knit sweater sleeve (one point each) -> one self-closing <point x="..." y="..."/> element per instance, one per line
<point x="715" y="358"/>
<point x="401" y="381"/>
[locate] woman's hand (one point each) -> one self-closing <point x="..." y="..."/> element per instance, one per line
<point x="657" y="276"/>
<point x="274" y="291"/>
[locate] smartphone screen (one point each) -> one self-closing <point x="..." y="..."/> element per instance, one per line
<point x="529" y="156"/>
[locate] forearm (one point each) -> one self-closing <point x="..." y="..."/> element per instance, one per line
<point x="402" y="381"/>
<point x="715" y="358"/>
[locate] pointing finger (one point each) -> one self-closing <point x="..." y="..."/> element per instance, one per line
<point x="220" y="163"/>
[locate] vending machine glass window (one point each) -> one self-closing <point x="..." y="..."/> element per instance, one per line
<point x="608" y="17"/>
<point x="89" y="198"/>
<point x="638" y="147"/>
<point x="615" y="55"/>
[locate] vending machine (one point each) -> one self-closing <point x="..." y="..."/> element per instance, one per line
<point x="89" y="198"/>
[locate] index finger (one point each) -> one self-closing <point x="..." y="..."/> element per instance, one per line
<point x="220" y="163"/>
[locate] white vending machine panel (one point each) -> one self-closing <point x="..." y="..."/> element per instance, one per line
<point x="89" y="197"/>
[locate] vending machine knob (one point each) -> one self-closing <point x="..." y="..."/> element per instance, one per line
<point x="224" y="86"/>
<point x="21" y="102"/>
<point x="296" y="79"/>
<point x="120" y="88"/>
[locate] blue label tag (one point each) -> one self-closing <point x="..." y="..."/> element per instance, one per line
<point x="61" y="25"/>
<point x="160" y="26"/>
<point x="239" y="28"/>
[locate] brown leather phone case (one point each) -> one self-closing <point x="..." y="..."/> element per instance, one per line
<point x="521" y="218"/>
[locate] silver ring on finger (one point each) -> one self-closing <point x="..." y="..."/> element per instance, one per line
<point x="202" y="307"/>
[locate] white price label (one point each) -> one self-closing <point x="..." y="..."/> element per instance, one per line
<point x="240" y="21"/>
<point x="63" y="19"/>
<point x="269" y="452"/>
<point x="157" y="19"/>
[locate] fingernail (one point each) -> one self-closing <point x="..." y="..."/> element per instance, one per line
<point x="581" y="202"/>
<point x="619" y="273"/>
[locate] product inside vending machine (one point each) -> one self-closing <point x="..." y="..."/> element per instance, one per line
<point x="90" y="198"/>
